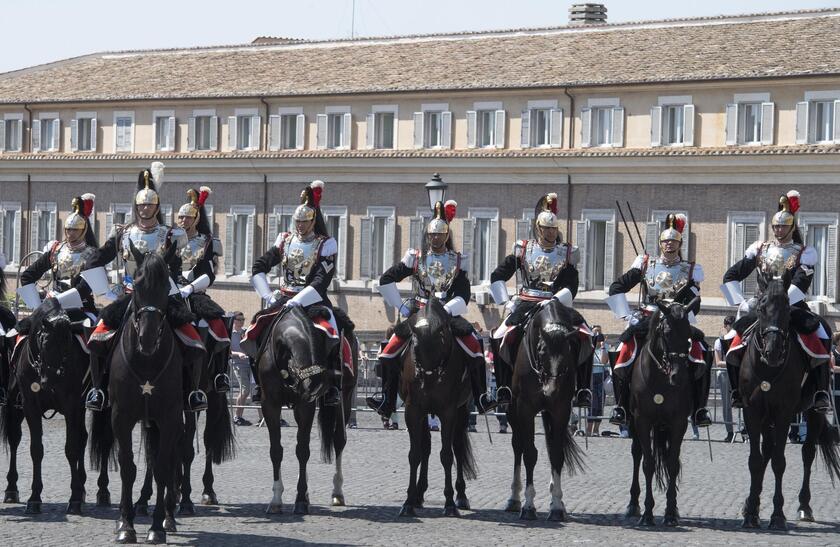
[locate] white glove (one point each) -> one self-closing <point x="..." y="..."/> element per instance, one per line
<point x="405" y="311"/>
<point x="186" y="290"/>
<point x="509" y="305"/>
<point x="292" y="304"/>
<point x="110" y="295"/>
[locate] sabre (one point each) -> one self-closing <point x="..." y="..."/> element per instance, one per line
<point x="633" y="218"/>
<point x="709" y="438"/>
<point x="487" y="423"/>
<point x="626" y="227"/>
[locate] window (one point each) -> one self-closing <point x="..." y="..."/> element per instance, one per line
<point x="43" y="222"/>
<point x="749" y="121"/>
<point x="479" y="241"/>
<point x="11" y="131"/>
<point x="46" y="133"/>
<point x="333" y="128"/>
<point x="486" y="126"/>
<point x="203" y="131"/>
<point x="542" y="124"/>
<point x="123" y="131"/>
<point x="244" y="130"/>
<point x="595" y="238"/>
<point x="433" y="126"/>
<point x="239" y="240"/>
<point x="819" y="230"/>
<point x="119" y="215"/>
<point x="602" y="123"/>
<point x="164" y="130"/>
<point x="603" y="126"/>
<point x="10" y="213"/>
<point x="382" y="129"/>
<point x="376" y="252"/>
<point x="672" y="122"/>
<point x="336" y="219"/>
<point x="816" y="118"/>
<point x="83" y="132"/>
<point x="286" y="130"/>
<point x="823" y="121"/>
<point x="745" y="228"/>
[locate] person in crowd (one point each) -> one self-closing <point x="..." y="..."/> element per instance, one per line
<point x="721" y="347"/>
<point x="600" y="366"/>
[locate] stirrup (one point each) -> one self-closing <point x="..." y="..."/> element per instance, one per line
<point x="583" y="398"/>
<point x="221" y="383"/>
<point x="485" y="403"/>
<point x="825" y="401"/>
<point x="702" y="417"/>
<point x="619" y="416"/>
<point x="197" y="401"/>
<point x="504" y="395"/>
<point x="95" y="400"/>
<point x="380" y="405"/>
<point x="332" y="397"/>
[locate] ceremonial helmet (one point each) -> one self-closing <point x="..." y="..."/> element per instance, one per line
<point x="82" y="208"/>
<point x="196" y="202"/>
<point x="149" y="183"/>
<point x="674" y="226"/>
<point x="310" y="201"/>
<point x="545" y="213"/>
<point x="788" y="207"/>
<point x="442" y="215"/>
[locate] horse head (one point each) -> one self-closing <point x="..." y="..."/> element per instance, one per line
<point x="670" y="341"/>
<point x="149" y="301"/>
<point x="773" y="324"/>
<point x="52" y="334"/>
<point x="432" y="336"/>
<point x="303" y="352"/>
<point x="552" y="343"/>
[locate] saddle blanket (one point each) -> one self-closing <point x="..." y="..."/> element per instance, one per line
<point x="80" y="338"/>
<point x="811" y="343"/>
<point x="186" y="333"/>
<point x="469" y="343"/>
<point x="627" y="353"/>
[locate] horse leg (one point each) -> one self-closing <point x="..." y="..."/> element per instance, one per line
<point x="757" y="465"/>
<point x="128" y="473"/>
<point x="425" y="437"/>
<point x="414" y="425"/>
<point x="459" y="445"/>
<point x="648" y="465"/>
<point x="557" y="509"/>
<point x="13" y="419"/>
<point x="141" y="506"/>
<point x="778" y="521"/>
<point x="74" y="451"/>
<point x="36" y="452"/>
<point x="633" y="509"/>
<point x="304" y="415"/>
<point x="164" y="442"/>
<point x="809" y="452"/>
<point x="187" y="456"/>
<point x="514" y="503"/>
<point x="340" y="441"/>
<point x="672" y="513"/>
<point x="448" y="423"/>
<point x="271" y="412"/>
<point x="529" y="450"/>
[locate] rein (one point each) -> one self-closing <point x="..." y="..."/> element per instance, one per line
<point x="663" y="364"/>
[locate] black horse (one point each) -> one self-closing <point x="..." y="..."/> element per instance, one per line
<point x="48" y="372"/>
<point x="660" y="403"/>
<point x="292" y="366"/>
<point x="774" y="388"/>
<point x="435" y="380"/>
<point x="146" y="385"/>
<point x="544" y="378"/>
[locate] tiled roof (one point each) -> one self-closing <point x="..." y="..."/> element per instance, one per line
<point x="760" y="46"/>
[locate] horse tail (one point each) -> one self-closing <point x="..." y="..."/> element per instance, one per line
<point x="102" y="441"/>
<point x="327" y="417"/>
<point x="463" y="447"/>
<point x="5" y="418"/>
<point x="218" y="431"/>
<point x="827" y="441"/>
<point x="563" y="451"/>
<point x="661" y="448"/>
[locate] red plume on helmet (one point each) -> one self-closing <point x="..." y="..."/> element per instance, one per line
<point x="793" y="201"/>
<point x="317" y="190"/>
<point x="88" y="201"/>
<point x="203" y="193"/>
<point x="551" y="202"/>
<point x="450" y="208"/>
<point x="679" y="222"/>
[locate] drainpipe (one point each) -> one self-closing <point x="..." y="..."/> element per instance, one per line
<point x="22" y="146"/>
<point x="265" y="214"/>
<point x="28" y="214"/>
<point x="264" y="139"/>
<point x="570" y="140"/>
<point x="568" y="206"/>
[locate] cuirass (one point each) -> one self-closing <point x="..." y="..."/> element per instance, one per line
<point x="665" y="282"/>
<point x="541" y="266"/>
<point x="777" y="259"/>
<point x="436" y="272"/>
<point x="193" y="252"/>
<point x="68" y="263"/>
<point x="299" y="257"/>
<point x="153" y="241"/>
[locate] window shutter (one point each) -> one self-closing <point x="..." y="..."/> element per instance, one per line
<point x="656" y="126"/>
<point x="739" y="248"/>
<point x="230" y="220"/>
<point x="493" y="251"/>
<point x="249" y="243"/>
<point x="36" y="136"/>
<point x="170" y="134"/>
<point x="341" y="271"/>
<point x="652" y="238"/>
<point x="688" y="125"/>
<point x="686" y="241"/>
<point x="836" y="121"/>
<point x="803" y="231"/>
<point x="415" y="233"/>
<point x="471" y="128"/>
<point x="581" y="231"/>
<point x="768" y="116"/>
<point x="365" y="244"/>
<point x="53" y="215"/>
<point x="523" y="229"/>
<point x="446" y="129"/>
<point x="109" y="226"/>
<point x="74" y="135"/>
<point x="468" y="246"/>
<point x="190" y="134"/>
<point x="300" y="132"/>
<point x="526" y="128"/>
<point x="93" y="135"/>
<point x="119" y="137"/>
<point x="390" y="233"/>
<point x="18" y="144"/>
<point x="3" y="136"/>
<point x="3" y="250"/>
<point x="500" y="129"/>
<point x="155" y="143"/>
<point x="214" y="132"/>
<point x="347" y="131"/>
<point x="56" y="136"/>
<point x="211" y="219"/>
<point x="618" y="126"/>
<point x="256" y="131"/>
<point x="370" y="131"/>
<point x="233" y="141"/>
<point x="274" y="132"/>
<point x="731" y="124"/>
<point x="609" y="254"/>
<point x="831" y="266"/>
<point x="802" y="122"/>
<point x="556" y="130"/>
<point x="418" y="130"/>
<point x="585" y="127"/>
<point x="751" y="234"/>
<point x="34" y="217"/>
<point x="321" y="132"/>
<point x="16" y="250"/>
<point x="272" y="227"/>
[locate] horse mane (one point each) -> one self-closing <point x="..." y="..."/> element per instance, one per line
<point x="435" y="315"/>
<point x="555" y="313"/>
<point x="152" y="274"/>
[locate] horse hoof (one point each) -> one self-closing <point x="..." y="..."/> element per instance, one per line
<point x="338" y="501"/>
<point x="463" y="503"/>
<point x="778" y="522"/>
<point x="274" y="509"/>
<point x="103" y="499"/>
<point x="33" y="507"/>
<point x="156" y="537"/>
<point x="751" y="521"/>
<point x="671" y="521"/>
<point x="513" y="506"/>
<point x="407" y="511"/>
<point x="170" y="525"/>
<point x="528" y="513"/>
<point x="633" y="511"/>
<point x="74" y="508"/>
<point x="209" y="499"/>
<point x="451" y="511"/>
<point x="301" y="508"/>
<point x="647" y="520"/>
<point x="557" y="515"/>
<point x="141" y="509"/>
<point x="126" y="536"/>
<point x="12" y="496"/>
<point x="806" y="515"/>
<point x="186" y="508"/>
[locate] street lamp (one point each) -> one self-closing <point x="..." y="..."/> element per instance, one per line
<point x="436" y="189"/>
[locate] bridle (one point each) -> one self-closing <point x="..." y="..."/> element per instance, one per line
<point x="535" y="364"/>
<point x="444" y="354"/>
<point x="35" y="361"/>
<point x="761" y="345"/>
<point x="135" y="323"/>
<point x="664" y="363"/>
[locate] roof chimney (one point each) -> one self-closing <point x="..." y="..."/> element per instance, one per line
<point x="587" y="14"/>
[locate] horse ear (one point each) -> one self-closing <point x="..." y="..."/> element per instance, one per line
<point x="694" y="305"/>
<point x="138" y="256"/>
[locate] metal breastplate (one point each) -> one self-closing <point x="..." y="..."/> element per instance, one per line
<point x="776" y="260"/>
<point x="299" y="257"/>
<point x="436" y="272"/>
<point x="68" y="263"/>
<point x="665" y="282"/>
<point x="145" y="242"/>
<point x="542" y="267"/>
<point x="193" y="252"/>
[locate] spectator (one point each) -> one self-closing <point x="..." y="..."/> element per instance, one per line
<point x="491" y="370"/>
<point x="600" y="358"/>
<point x="392" y="422"/>
<point x="241" y="365"/>
<point x="721" y="347"/>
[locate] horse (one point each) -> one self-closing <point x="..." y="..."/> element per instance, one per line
<point x="435" y="380"/>
<point x="49" y="368"/>
<point x="773" y="372"/>
<point x="660" y="403"/>
<point x="146" y="385"/>
<point x="544" y="377"/>
<point x="293" y="365"/>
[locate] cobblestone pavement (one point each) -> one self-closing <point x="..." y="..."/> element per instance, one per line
<point x="376" y="475"/>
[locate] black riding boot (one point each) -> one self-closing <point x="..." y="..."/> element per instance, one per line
<point x="385" y="403"/>
<point x="220" y="362"/>
<point x="621" y="388"/>
<point x="96" y="395"/>
<point x="503" y="373"/>
<point x="822" y="379"/>
<point x="484" y="402"/>
<point x="583" y="398"/>
<point x="701" y="398"/>
<point x="256" y="393"/>
<point x="734" y="372"/>
<point x="197" y="399"/>
<point x="332" y="396"/>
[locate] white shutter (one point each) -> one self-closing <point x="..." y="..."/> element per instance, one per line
<point x="170" y="134"/>
<point x="731" y="124"/>
<point x="688" y="125"/>
<point x="230" y="220"/>
<point x="446" y="129"/>
<point x="493" y="251"/>
<point x="471" y="128"/>
<point x="190" y="134"/>
<point x="34" y="217"/>
<point x="652" y="238"/>
<point x="500" y="129"/>
<point x="751" y="234"/>
<point x="55" y="144"/>
<point x="346" y="131"/>
<point x="768" y="116"/>
<point x="53" y="215"/>
<point x="415" y="233"/>
<point x="739" y="248"/>
<point x="74" y="135"/>
<point x="836" y="136"/>
<point x="365" y="247"/>
<point x="36" y="136"/>
<point x="3" y="136"/>
<point x="556" y="130"/>
<point x="831" y="263"/>
<point x="609" y="254"/>
<point x="418" y="130"/>
<point x="214" y="132"/>
<point x="300" y="132"/>
<point x="686" y="240"/>
<point x="581" y="231"/>
<point x="523" y="229"/>
<point x="249" y="244"/>
<point x="18" y="144"/>
<point x="618" y="126"/>
<point x="656" y="126"/>
<point x="93" y="134"/>
<point x="233" y="143"/>
<point x="256" y="131"/>
<point x="586" y="127"/>
<point x="16" y="250"/>
<point x="272" y="227"/>
<point x="526" y="128"/>
<point x="109" y="226"/>
<point x="468" y="246"/>
<point x="802" y="122"/>
<point x="119" y="137"/>
<point x="211" y="219"/>
<point x="3" y="250"/>
<point x="274" y="132"/>
<point x="321" y="132"/>
<point x="390" y="233"/>
<point x="341" y="270"/>
<point x="370" y="131"/>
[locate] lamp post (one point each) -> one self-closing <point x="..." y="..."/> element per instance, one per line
<point x="436" y="189"/>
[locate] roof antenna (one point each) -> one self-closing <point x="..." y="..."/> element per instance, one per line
<point x="353" y="22"/>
